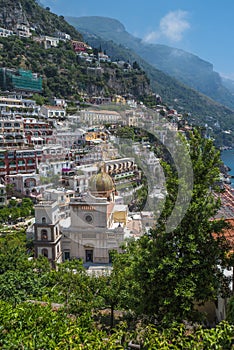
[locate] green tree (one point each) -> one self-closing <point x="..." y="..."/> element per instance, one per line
<point x="73" y="287"/>
<point x="135" y="65"/>
<point x="125" y="132"/>
<point x="111" y="292"/>
<point x="230" y="310"/>
<point x="40" y="100"/>
<point x="169" y="271"/>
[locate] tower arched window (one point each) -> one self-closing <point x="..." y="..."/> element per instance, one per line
<point x="44" y="252"/>
<point x="44" y="235"/>
<point x="43" y="220"/>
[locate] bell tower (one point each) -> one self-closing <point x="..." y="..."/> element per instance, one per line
<point x="47" y="236"/>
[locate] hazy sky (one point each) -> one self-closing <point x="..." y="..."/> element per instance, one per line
<point x="202" y="27"/>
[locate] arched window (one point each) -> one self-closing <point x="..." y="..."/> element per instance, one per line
<point x="44" y="235"/>
<point x="44" y="252"/>
<point x="43" y="220"/>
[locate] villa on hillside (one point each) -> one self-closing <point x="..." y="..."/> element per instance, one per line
<point x="52" y="111"/>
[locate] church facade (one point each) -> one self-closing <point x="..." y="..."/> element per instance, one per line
<point x="95" y="227"/>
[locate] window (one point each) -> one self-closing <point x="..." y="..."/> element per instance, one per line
<point x="43" y="220"/>
<point x="21" y="162"/>
<point x="66" y="255"/>
<point x="89" y="219"/>
<point x="10" y="154"/>
<point x="44" y="252"/>
<point x="89" y="255"/>
<point x="44" y="235"/>
<point x="7" y="125"/>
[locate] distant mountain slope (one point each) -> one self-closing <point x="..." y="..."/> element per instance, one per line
<point x="175" y="94"/>
<point x="185" y="67"/>
<point x="229" y="84"/>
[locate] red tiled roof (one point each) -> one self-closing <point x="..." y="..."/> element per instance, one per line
<point x="229" y="233"/>
<point x="227" y="203"/>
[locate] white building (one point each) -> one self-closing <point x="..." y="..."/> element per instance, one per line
<point x="49" y="41"/>
<point x="50" y="167"/>
<point x="62" y="196"/>
<point x="92" y="117"/>
<point x="23" y="30"/>
<point x="69" y="138"/>
<point x="6" y="32"/>
<point x="63" y="36"/>
<point x="52" y="111"/>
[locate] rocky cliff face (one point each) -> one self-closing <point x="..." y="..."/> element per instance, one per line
<point x="29" y="13"/>
<point x="12" y="14"/>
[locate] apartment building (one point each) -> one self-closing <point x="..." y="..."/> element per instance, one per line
<point x="12" y="132"/>
<point x="38" y="132"/>
<point x="21" y="160"/>
<point x="92" y="117"/>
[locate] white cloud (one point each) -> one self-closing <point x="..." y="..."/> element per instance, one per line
<point x="171" y="27"/>
<point x="229" y="76"/>
<point x="152" y="37"/>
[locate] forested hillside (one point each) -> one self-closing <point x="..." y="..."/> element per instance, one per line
<point x="64" y="74"/>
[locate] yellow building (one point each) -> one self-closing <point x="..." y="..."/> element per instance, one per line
<point x="96" y="136"/>
<point x="119" y="99"/>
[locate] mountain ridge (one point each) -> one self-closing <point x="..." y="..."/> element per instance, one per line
<point x="186" y="67"/>
<point x="203" y="110"/>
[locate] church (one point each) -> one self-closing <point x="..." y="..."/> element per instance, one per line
<point x="95" y="227"/>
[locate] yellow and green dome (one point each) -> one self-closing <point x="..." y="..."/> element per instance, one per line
<point x="101" y="185"/>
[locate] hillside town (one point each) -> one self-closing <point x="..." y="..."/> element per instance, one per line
<point x="88" y="187"/>
<point x="83" y="188"/>
<point x="51" y="156"/>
